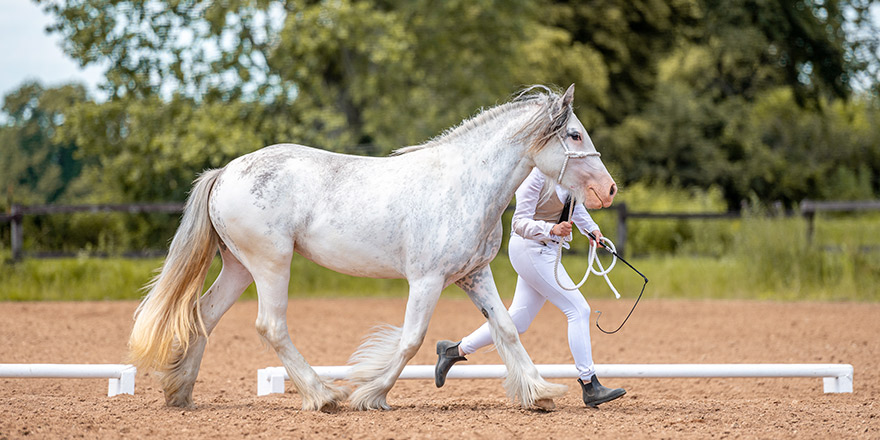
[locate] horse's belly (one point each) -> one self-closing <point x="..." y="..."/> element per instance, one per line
<point x="350" y="259"/>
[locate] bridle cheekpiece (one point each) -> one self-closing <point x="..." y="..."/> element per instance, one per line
<point x="569" y="153"/>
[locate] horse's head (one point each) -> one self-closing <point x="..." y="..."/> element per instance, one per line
<point x="562" y="150"/>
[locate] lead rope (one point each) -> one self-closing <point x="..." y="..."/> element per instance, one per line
<point x="592" y="261"/>
<point x="609" y="246"/>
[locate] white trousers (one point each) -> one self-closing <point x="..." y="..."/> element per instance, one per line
<point x="536" y="284"/>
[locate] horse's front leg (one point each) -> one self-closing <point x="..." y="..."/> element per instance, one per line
<point x="523" y="380"/>
<point x="378" y="362"/>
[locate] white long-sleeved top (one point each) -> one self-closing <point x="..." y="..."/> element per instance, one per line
<point x="528" y="196"/>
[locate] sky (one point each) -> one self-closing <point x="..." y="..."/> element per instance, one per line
<point x="30" y="53"/>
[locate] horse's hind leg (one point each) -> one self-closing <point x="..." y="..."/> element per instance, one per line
<point x="379" y="361"/>
<point x="523" y="380"/>
<point x="272" y="282"/>
<point x="178" y="381"/>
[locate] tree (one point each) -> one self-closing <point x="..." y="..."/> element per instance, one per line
<point x="632" y="37"/>
<point x="698" y="125"/>
<point x="668" y="89"/>
<point x="364" y="76"/>
<point x="36" y="164"/>
<point x="811" y="46"/>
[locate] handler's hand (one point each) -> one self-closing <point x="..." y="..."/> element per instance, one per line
<point x="561" y="229"/>
<point x="598" y="235"/>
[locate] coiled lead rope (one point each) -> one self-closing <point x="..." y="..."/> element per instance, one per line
<point x="609" y="246"/>
<point x="592" y="261"/>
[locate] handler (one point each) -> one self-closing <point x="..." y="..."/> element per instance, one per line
<point x="539" y="224"/>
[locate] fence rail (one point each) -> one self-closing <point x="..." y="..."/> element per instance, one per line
<point x="808" y="209"/>
<point x="131" y="208"/>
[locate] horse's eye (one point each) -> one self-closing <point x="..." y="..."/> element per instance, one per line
<point x="575" y="136"/>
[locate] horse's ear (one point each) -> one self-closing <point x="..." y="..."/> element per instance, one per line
<point x="568" y="97"/>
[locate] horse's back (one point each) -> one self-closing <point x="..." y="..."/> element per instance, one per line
<point x="301" y="199"/>
<point x="261" y="183"/>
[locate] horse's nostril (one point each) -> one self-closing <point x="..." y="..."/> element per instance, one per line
<point x="613" y="189"/>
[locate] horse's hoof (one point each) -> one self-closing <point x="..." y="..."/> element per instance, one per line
<point x="545" y="405"/>
<point x="180" y="403"/>
<point x="180" y="400"/>
<point x="370" y="406"/>
<point x="331" y="407"/>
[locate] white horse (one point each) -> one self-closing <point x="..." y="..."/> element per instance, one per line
<point x="430" y="214"/>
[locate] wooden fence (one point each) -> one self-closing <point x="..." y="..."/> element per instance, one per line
<point x="17" y="214"/>
<point x="808" y="209"/>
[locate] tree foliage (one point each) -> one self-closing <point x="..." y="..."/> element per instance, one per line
<point x="706" y="119"/>
<point x="36" y="164"/>
<point x="361" y="75"/>
<point x="755" y="97"/>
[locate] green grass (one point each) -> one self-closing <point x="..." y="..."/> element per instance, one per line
<point x="74" y="279"/>
<point x="752" y="258"/>
<point x="755" y="257"/>
<point x="824" y="276"/>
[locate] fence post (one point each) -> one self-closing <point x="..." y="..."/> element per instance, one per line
<point x="17" y="231"/>
<point x="621" y="228"/>
<point x="809" y="213"/>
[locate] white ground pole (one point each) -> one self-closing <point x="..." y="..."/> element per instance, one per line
<point x="121" y="376"/>
<point x="837" y="378"/>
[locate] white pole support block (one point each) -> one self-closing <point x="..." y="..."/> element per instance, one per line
<point x="121" y="376"/>
<point x="271" y="380"/>
<point x="838" y="378"/>
<point x="124" y="384"/>
<point x="842" y="383"/>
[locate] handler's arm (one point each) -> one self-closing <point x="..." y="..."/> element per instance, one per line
<point x="524" y="223"/>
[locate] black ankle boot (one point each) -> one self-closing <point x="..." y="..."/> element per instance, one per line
<point x="447" y="354"/>
<point x="595" y="393"/>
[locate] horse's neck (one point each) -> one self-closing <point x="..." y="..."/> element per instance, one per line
<point x="493" y="164"/>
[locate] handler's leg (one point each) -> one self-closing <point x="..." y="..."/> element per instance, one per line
<point x="538" y="272"/>
<point x="525" y="306"/>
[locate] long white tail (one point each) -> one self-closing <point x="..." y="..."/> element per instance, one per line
<point x="169" y="318"/>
